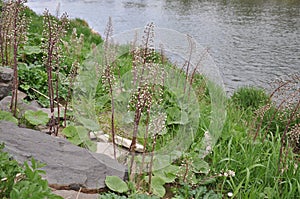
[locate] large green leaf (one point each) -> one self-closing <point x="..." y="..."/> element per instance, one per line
<point x="75" y="140"/>
<point x="89" y="123"/>
<point x="157" y="185"/>
<point x="69" y="131"/>
<point x="78" y="135"/>
<point x="161" y="161"/>
<point x="176" y="116"/>
<point x="7" y="116"/>
<point x="29" y="50"/>
<point x="36" y="117"/>
<point x="168" y="174"/>
<point x="200" y="166"/>
<point x="116" y="184"/>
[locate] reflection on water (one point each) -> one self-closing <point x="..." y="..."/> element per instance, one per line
<point x="251" y="41"/>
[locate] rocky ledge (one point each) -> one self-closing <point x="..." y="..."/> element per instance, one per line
<point x="68" y="167"/>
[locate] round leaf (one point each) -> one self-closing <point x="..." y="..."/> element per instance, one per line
<point x="116" y="184"/>
<point x="157" y="185"/>
<point x="36" y="117"/>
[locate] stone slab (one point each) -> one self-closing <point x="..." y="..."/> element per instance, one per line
<point x="75" y="195"/>
<point x="67" y="164"/>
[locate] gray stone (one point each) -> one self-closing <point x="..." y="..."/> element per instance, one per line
<point x="108" y="149"/>
<point x="22" y="106"/>
<point x="6" y="75"/>
<point x="6" y="81"/>
<point x="69" y="194"/>
<point x="5" y="103"/>
<point x="66" y="163"/>
<point x="5" y="89"/>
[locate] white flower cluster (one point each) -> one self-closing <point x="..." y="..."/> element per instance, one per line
<point x="228" y="173"/>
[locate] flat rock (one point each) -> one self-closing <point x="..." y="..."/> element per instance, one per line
<point x="66" y="194"/>
<point x="66" y="164"/>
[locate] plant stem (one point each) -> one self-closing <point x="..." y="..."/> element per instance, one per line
<point x="151" y="163"/>
<point x="285" y="132"/>
<point x="14" y="98"/>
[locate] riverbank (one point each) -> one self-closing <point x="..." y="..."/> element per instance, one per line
<point x="217" y="141"/>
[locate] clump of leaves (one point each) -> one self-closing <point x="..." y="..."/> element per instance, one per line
<point x="33" y="77"/>
<point x="117" y="185"/>
<point x="78" y="135"/>
<point x="18" y="182"/>
<point x="187" y="191"/>
<point x="249" y="98"/>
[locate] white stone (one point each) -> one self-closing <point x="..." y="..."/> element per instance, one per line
<point x="108" y="149"/>
<point x="126" y="143"/>
<point x="121" y="141"/>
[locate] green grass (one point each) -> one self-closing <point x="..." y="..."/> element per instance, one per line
<point x="255" y="162"/>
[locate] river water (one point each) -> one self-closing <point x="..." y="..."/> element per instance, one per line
<point x="251" y="41"/>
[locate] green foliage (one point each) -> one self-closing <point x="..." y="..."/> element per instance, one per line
<point x="116" y="184"/>
<point x="7" y="116"/>
<point x="255" y="162"/>
<point x="78" y="135"/>
<point x="157" y="186"/>
<point x="143" y="196"/>
<point x="134" y="196"/>
<point x="200" y="192"/>
<point x="36" y="117"/>
<point x="34" y="76"/>
<point x="22" y="182"/>
<point x="111" y="196"/>
<point x="32" y="72"/>
<point x="167" y="174"/>
<point x="249" y="98"/>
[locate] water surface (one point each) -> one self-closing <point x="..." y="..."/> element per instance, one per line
<point x="252" y="42"/>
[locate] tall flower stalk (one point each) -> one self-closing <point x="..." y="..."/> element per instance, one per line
<point x="72" y="48"/>
<point x="148" y="78"/>
<point x="54" y="31"/>
<point x="13" y="28"/>
<point x="108" y="75"/>
<point x="284" y="105"/>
